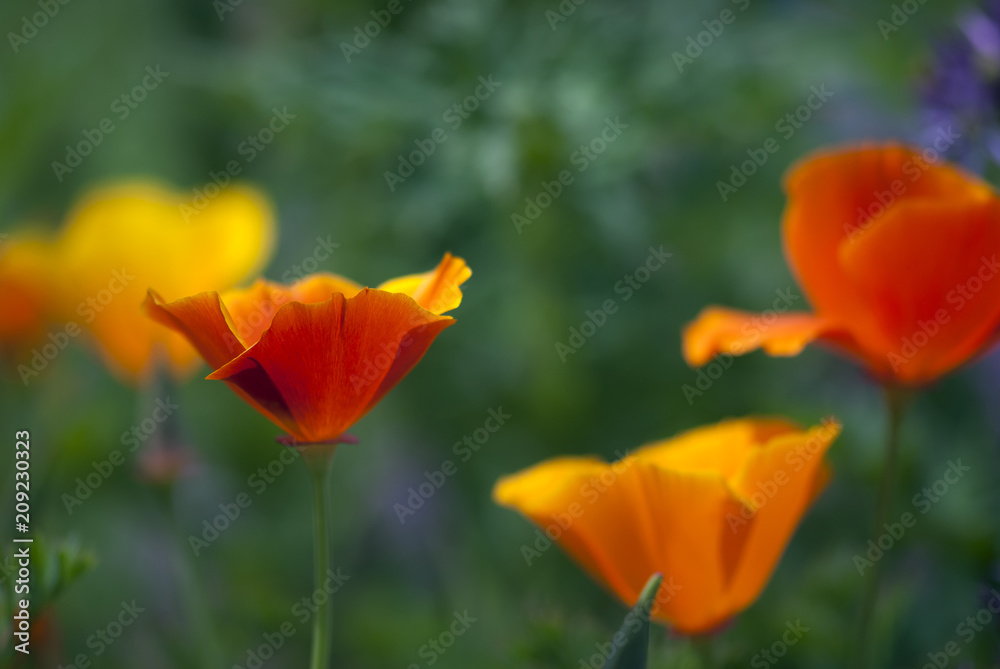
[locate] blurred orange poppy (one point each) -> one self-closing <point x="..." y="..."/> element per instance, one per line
<point x="316" y="356"/>
<point x="897" y="254"/>
<point x="25" y="293"/>
<point x="711" y="510"/>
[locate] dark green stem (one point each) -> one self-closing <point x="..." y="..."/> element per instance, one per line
<point x="318" y="459"/>
<point x="897" y="399"/>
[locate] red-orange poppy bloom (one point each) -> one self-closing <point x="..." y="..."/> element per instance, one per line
<point x="316" y="356"/>
<point x="711" y="510"/>
<point x="896" y="253"/>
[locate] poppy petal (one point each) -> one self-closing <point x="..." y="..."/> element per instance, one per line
<point x="721" y="449"/>
<point x="780" y="482"/>
<point x="439" y="290"/>
<point x="253" y="308"/>
<point x="837" y="197"/>
<point x="684" y="524"/>
<point x="558" y="489"/>
<point x="625" y="521"/>
<point x="923" y="273"/>
<point x="329" y="362"/>
<point x="721" y="330"/>
<point x="202" y="320"/>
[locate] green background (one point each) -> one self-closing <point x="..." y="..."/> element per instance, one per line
<point x="655" y="185"/>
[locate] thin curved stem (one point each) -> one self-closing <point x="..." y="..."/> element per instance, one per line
<point x="318" y="461"/>
<point x="896" y="399"/>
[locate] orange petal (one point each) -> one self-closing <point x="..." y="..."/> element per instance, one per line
<point x="778" y="482"/>
<point x="625" y="521"/>
<point x="682" y="518"/>
<point x="202" y="320"/>
<point x="928" y="272"/>
<point x="439" y="290"/>
<point x="327" y="364"/>
<point x="831" y="196"/>
<point x="720" y="330"/>
<point x="720" y="449"/>
<point x="253" y="308"/>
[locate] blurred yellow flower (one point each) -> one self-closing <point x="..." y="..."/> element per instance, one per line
<point x="125" y="237"/>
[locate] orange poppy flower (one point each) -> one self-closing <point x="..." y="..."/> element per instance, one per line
<point x="316" y="356"/>
<point x="896" y="253"/>
<point x="711" y="510"/>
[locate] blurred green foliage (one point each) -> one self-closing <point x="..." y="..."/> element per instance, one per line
<point x="655" y="184"/>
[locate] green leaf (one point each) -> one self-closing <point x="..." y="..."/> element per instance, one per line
<point x="630" y="645"/>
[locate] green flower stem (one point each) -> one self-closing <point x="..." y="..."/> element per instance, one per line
<point x="897" y="399"/>
<point x="318" y="459"/>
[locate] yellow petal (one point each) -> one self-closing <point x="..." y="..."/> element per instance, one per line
<point x="437" y="291"/>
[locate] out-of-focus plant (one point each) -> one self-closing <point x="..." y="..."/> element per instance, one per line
<point x="52" y="567"/>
